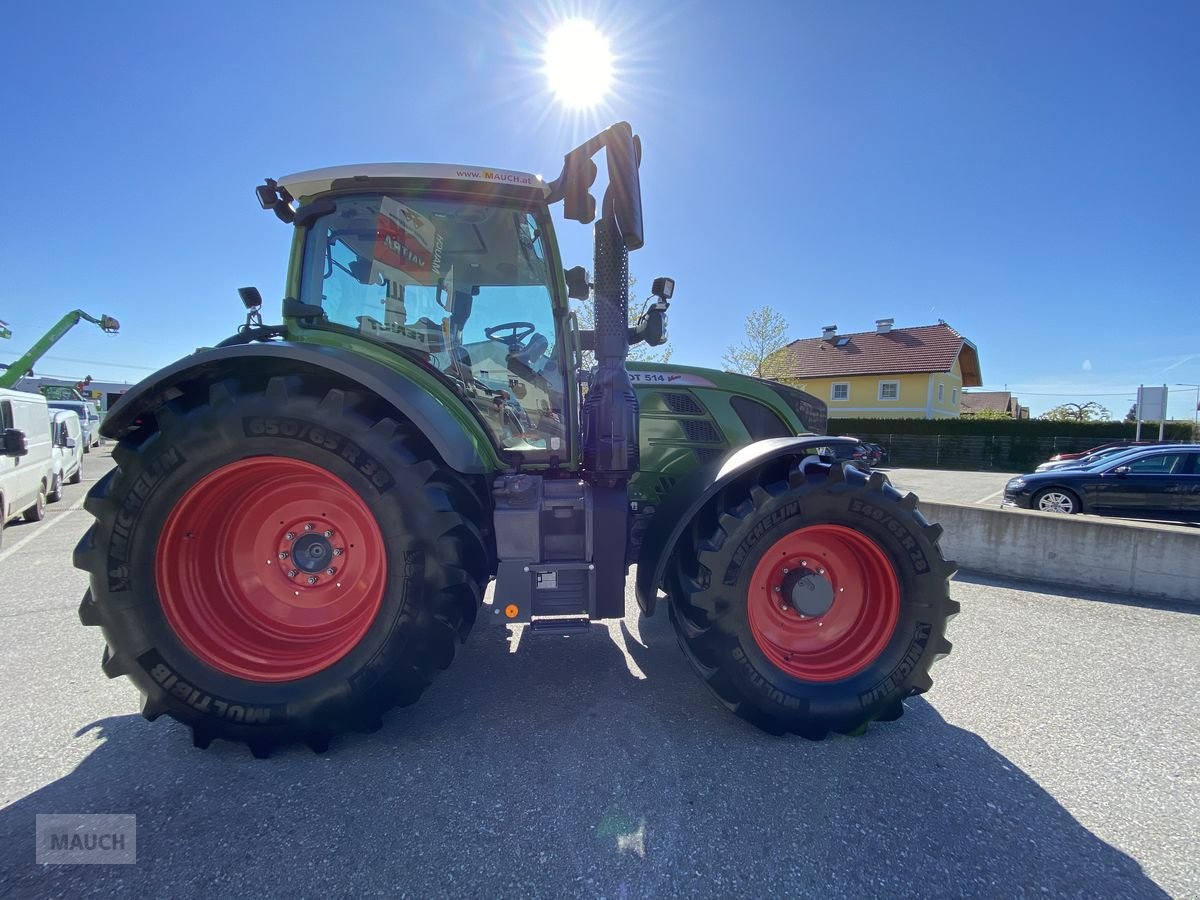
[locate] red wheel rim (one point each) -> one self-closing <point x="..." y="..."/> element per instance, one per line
<point x="812" y="568"/>
<point x="243" y="569"/>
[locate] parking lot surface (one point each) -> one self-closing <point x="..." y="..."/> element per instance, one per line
<point x="945" y="486"/>
<point x="1058" y="753"/>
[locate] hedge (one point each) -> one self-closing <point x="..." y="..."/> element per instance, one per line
<point x="989" y="444"/>
<point x="1099" y="431"/>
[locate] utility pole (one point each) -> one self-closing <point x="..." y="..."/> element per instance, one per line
<point x="1195" y="409"/>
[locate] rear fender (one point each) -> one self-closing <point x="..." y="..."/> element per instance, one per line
<point x="461" y="442"/>
<point x="693" y="492"/>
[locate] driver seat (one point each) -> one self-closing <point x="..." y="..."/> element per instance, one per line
<point x="521" y="362"/>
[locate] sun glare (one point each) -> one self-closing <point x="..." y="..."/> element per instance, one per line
<point x="578" y="63"/>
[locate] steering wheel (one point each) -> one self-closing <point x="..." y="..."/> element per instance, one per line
<point x="516" y="340"/>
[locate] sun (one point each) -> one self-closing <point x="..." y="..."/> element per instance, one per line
<point x="578" y="63"/>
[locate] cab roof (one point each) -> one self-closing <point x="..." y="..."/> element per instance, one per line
<point x="316" y="181"/>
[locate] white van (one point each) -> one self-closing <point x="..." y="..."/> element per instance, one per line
<point x="26" y="456"/>
<point x="67" y="436"/>
<point x="89" y="420"/>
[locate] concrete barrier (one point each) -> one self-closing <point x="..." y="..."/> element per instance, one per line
<point x="1133" y="558"/>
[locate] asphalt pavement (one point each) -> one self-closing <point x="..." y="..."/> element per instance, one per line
<point x="1058" y="753"/>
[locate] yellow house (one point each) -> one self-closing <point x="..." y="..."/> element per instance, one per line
<point x="888" y="373"/>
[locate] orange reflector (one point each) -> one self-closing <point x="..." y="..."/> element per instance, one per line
<point x="511" y="610"/>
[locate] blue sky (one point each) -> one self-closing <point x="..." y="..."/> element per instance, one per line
<point x="1026" y="171"/>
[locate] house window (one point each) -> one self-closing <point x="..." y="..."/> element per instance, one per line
<point x="941" y="392"/>
<point x="889" y="390"/>
<point x="954" y="397"/>
<point x="841" y="390"/>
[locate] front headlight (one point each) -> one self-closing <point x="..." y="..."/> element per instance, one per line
<point x="1015" y="484"/>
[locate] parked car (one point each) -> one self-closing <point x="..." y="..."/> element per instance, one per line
<point x="1161" y="482"/>
<point x="89" y="420"/>
<point x="1085" y="460"/>
<point x="66" y="433"/>
<point x="1064" y="457"/>
<point x="858" y="455"/>
<point x="878" y="453"/>
<point x="26" y="456"/>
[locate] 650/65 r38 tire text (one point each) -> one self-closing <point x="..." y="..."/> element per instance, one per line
<point x="812" y="598"/>
<point x="280" y="561"/>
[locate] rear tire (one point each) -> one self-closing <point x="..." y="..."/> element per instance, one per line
<point x="191" y="528"/>
<point x="812" y="600"/>
<point x="37" y="512"/>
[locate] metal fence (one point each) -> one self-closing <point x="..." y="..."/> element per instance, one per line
<point x="981" y="452"/>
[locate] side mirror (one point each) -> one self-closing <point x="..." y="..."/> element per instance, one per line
<point x="1122" y="470"/>
<point x="15" y="442"/>
<point x="577" y="283"/>
<point x="69" y="443"/>
<point x="624" y="155"/>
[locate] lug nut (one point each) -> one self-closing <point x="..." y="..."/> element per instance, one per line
<point x="283" y="554"/>
<point x="293" y="573"/>
<point x="312" y="579"/>
<point x="338" y="551"/>
<point x="328" y="533"/>
<point x="290" y="536"/>
<point x="309" y="526"/>
<point x="331" y="571"/>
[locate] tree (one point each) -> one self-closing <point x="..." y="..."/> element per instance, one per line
<point x="586" y="313"/>
<point x="1131" y="416"/>
<point x="766" y="333"/>
<point x="988" y="414"/>
<point x="1077" y="412"/>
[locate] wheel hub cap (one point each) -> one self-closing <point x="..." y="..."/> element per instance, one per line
<point x="809" y="593"/>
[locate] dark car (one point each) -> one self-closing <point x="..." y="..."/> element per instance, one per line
<point x="858" y="455"/>
<point x="1143" y="483"/>
<point x="878" y="453"/>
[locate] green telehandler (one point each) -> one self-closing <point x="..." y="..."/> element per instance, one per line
<point x="23" y="366"/>
<point x="303" y="520"/>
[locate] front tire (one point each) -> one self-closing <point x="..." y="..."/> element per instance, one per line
<point x="216" y="576"/>
<point x="55" y="489"/>
<point x="812" y="599"/>
<point x="1057" y="500"/>
<point x="77" y="476"/>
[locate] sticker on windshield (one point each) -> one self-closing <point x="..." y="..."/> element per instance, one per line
<point x="408" y="248"/>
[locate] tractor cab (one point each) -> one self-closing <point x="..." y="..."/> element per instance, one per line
<point x="452" y="268"/>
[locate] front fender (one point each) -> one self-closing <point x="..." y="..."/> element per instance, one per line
<point x="461" y="442"/>
<point x="690" y="495"/>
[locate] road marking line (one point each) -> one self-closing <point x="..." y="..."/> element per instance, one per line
<point x="991" y="496"/>
<point x="45" y="527"/>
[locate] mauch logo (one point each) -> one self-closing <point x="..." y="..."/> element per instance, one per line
<point x="86" y="839"/>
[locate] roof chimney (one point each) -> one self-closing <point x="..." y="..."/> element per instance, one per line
<point x="883" y="326"/>
<point x="829" y="332"/>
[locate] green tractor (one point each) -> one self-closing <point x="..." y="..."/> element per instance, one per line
<point x="303" y="520"/>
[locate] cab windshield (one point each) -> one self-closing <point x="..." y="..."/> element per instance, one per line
<point x="462" y="287"/>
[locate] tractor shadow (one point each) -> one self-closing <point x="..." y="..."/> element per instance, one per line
<point x="571" y="766"/>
